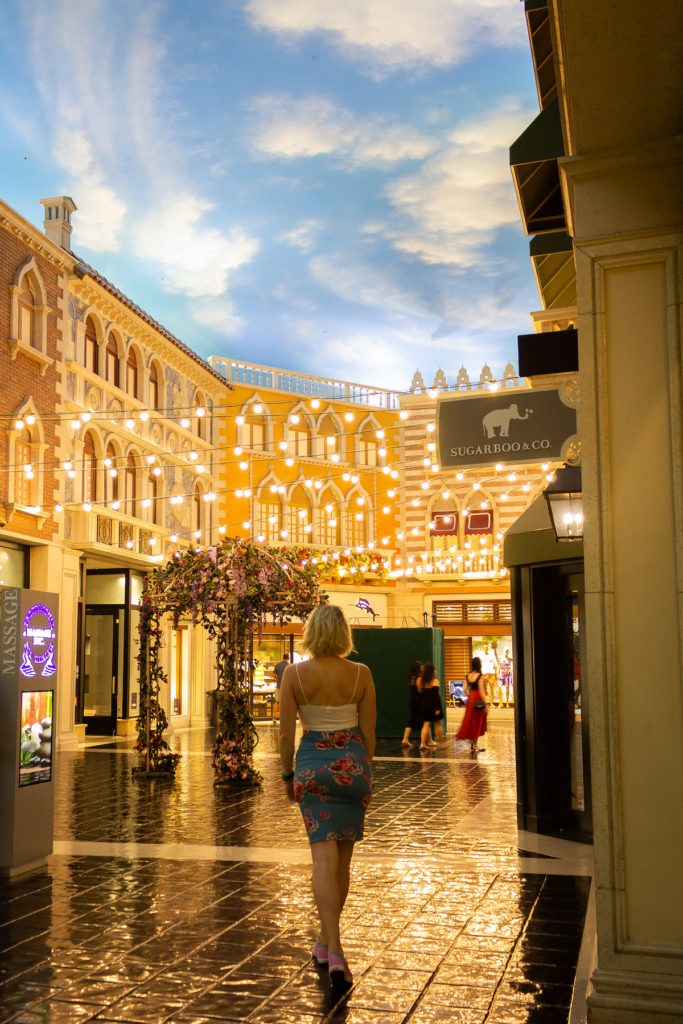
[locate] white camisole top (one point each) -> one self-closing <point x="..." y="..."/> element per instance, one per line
<point x="328" y="717"/>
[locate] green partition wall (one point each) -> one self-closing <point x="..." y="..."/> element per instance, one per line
<point x="388" y="654"/>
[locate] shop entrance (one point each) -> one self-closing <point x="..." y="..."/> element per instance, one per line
<point x="102" y="665"/>
<point x="579" y="815"/>
<point x="552" y="721"/>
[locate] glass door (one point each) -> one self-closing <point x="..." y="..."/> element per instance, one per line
<point x="578" y="724"/>
<point x="102" y="667"/>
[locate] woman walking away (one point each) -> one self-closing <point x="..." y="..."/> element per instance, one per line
<point x="332" y="777"/>
<point x="474" y="722"/>
<point x="414" y="719"/>
<point x="432" y="710"/>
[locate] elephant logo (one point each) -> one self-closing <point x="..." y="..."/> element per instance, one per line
<point x="499" y="419"/>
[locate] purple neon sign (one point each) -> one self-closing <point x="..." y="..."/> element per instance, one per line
<point x="39" y="636"/>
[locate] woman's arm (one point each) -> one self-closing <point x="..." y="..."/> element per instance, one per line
<point x="288" y="709"/>
<point x="367" y="714"/>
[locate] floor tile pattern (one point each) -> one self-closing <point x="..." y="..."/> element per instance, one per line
<point x="440" y="925"/>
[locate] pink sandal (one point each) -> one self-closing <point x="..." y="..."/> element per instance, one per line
<point x="338" y="965"/>
<point x="320" y="954"/>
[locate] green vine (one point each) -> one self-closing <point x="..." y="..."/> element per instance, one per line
<point x="152" y="721"/>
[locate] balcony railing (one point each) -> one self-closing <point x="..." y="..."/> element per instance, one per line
<point x="115" y="530"/>
<point x="252" y="375"/>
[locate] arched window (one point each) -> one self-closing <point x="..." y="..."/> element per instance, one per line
<point x="330" y="438"/>
<point x="132" y="374"/>
<point x="154" y="386"/>
<point x="200" y="421"/>
<point x="253" y="432"/>
<point x="27" y="331"/>
<point x="299" y="438"/>
<point x="153" y="495"/>
<point x="92" y="352"/>
<point x="111" y="476"/>
<point x="329" y="525"/>
<point x="355" y="522"/>
<point x="270" y="516"/>
<point x="23" y="476"/>
<point x="479" y="527"/>
<point x="130" y="489"/>
<point x="298" y="517"/>
<point x="89" y="468"/>
<point x="28" y="314"/>
<point x="443" y="526"/>
<point x="111" y="356"/>
<point x="367" y="445"/>
<point x="197" y="502"/>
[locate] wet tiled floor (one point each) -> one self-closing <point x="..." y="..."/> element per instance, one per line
<point x="179" y="903"/>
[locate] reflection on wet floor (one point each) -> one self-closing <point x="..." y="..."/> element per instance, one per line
<point x="181" y="903"/>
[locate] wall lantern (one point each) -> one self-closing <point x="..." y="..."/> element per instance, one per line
<point x="565" y="503"/>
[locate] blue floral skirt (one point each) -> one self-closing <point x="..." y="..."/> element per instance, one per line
<point x="332" y="784"/>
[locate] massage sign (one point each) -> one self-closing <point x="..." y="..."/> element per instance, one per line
<point x="38" y="638"/>
<point x="510" y="426"/>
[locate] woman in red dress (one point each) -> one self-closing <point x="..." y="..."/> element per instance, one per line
<point x="474" y="723"/>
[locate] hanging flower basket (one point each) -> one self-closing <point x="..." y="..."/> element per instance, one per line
<point x="232" y="590"/>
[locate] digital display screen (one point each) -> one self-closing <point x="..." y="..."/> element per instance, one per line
<point x="35" y="749"/>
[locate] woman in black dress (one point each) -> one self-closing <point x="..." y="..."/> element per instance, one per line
<point x="414" y="720"/>
<point x="430" y="703"/>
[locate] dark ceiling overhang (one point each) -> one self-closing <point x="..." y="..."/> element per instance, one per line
<point x="552" y="257"/>
<point x="548" y="352"/>
<point x="535" y="172"/>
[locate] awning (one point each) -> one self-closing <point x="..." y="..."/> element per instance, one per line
<point x="533" y="161"/>
<point x="531" y="540"/>
<point x="548" y="352"/>
<point x="540" y="40"/>
<point x="552" y="257"/>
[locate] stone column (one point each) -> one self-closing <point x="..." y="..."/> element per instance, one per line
<point x="629" y="266"/>
<point x="55" y="569"/>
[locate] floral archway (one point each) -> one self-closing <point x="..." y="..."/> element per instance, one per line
<point x="230" y="590"/>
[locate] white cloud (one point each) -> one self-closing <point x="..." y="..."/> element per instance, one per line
<point x="303" y="236"/>
<point x="219" y="315"/>
<point x="314" y="126"/>
<point x="386" y="359"/>
<point x="451" y="207"/>
<point x="101" y="212"/>
<point x="195" y="259"/>
<point x="397" y="33"/>
<point x="369" y="284"/>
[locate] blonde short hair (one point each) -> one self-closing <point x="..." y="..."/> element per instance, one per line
<point x="327" y="632"/>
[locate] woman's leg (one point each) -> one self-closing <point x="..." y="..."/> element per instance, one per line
<point x="345" y="853"/>
<point x="426" y="734"/>
<point x="406" y="736"/>
<point x="327" y="891"/>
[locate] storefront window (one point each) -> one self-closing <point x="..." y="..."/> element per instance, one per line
<point x="13" y="565"/>
<point x="137" y="582"/>
<point x="108" y="588"/>
<point x="495" y="654"/>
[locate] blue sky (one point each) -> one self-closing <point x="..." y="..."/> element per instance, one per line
<point x="309" y="184"/>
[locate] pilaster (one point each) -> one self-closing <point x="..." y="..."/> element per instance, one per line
<point x="629" y="286"/>
<point x="55" y="569"/>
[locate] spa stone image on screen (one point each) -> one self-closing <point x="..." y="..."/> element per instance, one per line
<point x="35" y="750"/>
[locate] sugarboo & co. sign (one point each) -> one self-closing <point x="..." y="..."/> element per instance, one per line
<point x="510" y="426"/>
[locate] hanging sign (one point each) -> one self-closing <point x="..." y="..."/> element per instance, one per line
<point x="508" y="426"/>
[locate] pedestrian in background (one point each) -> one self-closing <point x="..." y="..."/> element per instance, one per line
<point x="474" y="720"/>
<point x="414" y="716"/>
<point x="332" y="778"/>
<point x="431" y="709"/>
